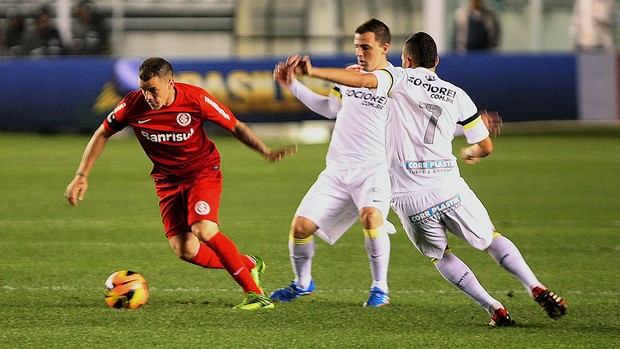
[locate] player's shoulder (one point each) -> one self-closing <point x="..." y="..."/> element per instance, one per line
<point x="131" y="100"/>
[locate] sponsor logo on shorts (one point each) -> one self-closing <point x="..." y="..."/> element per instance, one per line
<point x="202" y="208"/>
<point x="424" y="216"/>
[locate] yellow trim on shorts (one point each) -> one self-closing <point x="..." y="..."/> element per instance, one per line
<point x="496" y="234"/>
<point x="297" y="241"/>
<point x="435" y="260"/>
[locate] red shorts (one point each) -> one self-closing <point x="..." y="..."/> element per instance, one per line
<point x="183" y="204"/>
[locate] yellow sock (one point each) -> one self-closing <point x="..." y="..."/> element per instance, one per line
<point x="373" y="233"/>
<point x="297" y="241"/>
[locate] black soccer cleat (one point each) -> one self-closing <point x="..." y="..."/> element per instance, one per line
<point x="553" y="304"/>
<point x="501" y="318"/>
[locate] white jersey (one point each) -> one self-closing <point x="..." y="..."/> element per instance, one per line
<point x="423" y="116"/>
<point x="358" y="138"/>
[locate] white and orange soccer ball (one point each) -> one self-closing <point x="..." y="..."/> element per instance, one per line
<point x="126" y="289"/>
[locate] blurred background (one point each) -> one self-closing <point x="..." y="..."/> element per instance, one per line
<point x="529" y="59"/>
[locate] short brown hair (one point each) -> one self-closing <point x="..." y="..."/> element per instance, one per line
<point x="382" y="32"/>
<point x="155" y="66"/>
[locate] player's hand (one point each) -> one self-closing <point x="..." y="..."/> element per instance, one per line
<point x="300" y="64"/>
<point x="492" y="121"/>
<point x="469" y="156"/>
<point x="283" y="74"/>
<point x="76" y="189"/>
<point x="280" y="153"/>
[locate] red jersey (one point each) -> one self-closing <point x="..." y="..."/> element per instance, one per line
<point x="173" y="137"/>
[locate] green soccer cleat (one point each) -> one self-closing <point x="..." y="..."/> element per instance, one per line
<point x="255" y="301"/>
<point x="258" y="271"/>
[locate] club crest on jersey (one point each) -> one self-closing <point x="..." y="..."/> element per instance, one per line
<point x="202" y="208"/>
<point x="184" y="119"/>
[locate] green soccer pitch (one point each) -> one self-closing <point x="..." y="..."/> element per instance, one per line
<point x="555" y="193"/>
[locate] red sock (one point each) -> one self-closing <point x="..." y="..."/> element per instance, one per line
<point x="228" y="254"/>
<point x="206" y="258"/>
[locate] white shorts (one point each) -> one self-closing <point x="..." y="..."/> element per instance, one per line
<point x="334" y="200"/>
<point x="428" y="215"/>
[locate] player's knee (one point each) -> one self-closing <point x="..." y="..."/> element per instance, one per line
<point x="302" y="228"/>
<point x="370" y="217"/>
<point x="183" y="251"/>
<point x="205" y="230"/>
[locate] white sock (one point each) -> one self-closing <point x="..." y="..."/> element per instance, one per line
<point x="507" y="255"/>
<point x="377" y="243"/>
<point x="458" y="273"/>
<point x="301" y="252"/>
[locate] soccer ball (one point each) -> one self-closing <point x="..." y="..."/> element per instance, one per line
<point x="126" y="289"/>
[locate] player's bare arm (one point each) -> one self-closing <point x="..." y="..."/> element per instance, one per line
<point x="77" y="188"/>
<point x="475" y="152"/>
<point x="249" y="138"/>
<point x="349" y="77"/>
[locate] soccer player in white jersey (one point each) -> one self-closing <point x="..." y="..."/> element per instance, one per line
<point x="429" y="195"/>
<point x="355" y="183"/>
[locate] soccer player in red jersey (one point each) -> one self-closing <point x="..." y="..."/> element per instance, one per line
<point x="167" y="118"/>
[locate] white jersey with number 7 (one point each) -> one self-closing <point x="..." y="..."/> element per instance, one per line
<point x="423" y="115"/>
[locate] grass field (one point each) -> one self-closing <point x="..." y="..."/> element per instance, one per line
<point x="555" y="194"/>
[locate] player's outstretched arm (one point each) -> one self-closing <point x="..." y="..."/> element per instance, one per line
<point x="77" y="188"/>
<point x="245" y="134"/>
<point x="318" y="103"/>
<point x="349" y="77"/>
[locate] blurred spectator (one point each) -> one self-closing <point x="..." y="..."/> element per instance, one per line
<point x="43" y="38"/>
<point x="592" y="24"/>
<point x="13" y="34"/>
<point x="90" y="33"/>
<point x="475" y="28"/>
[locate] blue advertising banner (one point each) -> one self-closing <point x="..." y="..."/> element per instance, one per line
<point x="74" y="94"/>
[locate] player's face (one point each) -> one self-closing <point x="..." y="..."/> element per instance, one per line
<point x="371" y="55"/>
<point x="158" y="92"/>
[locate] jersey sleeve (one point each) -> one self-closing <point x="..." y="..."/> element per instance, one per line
<point x="216" y="112"/>
<point x="326" y="106"/>
<point x="385" y="81"/>
<point x="471" y="121"/>
<point x="114" y="122"/>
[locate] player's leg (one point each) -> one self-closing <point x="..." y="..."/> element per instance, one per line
<point x="456" y="272"/>
<point x="377" y="244"/>
<point x="203" y="201"/>
<point x="322" y="206"/>
<point x="187" y="247"/>
<point x="479" y="232"/>
<point x="425" y="218"/>
<point x="301" y="249"/>
<point x="301" y="252"/>
<point x="507" y="255"/>
<point x="373" y="197"/>
<point x="185" y="244"/>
